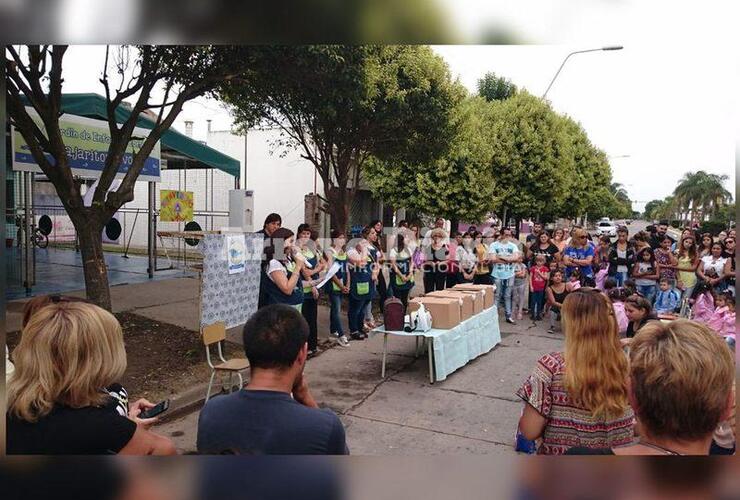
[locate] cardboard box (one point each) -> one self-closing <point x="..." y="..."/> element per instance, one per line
<point x="466" y="301"/>
<point x="488" y="289"/>
<point x="479" y="299"/>
<point x="445" y="312"/>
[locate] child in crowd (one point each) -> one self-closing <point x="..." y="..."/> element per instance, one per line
<point x="703" y="303"/>
<point x="609" y="284"/>
<point x="645" y="273"/>
<point x="630" y="287"/>
<point x="601" y="264"/>
<point x="723" y="319"/>
<point x="574" y="281"/>
<point x="667" y="299"/>
<point x="539" y="274"/>
<point x="519" y="293"/>
<point x="617" y="297"/>
<point x="666" y="261"/>
<point x="556" y="293"/>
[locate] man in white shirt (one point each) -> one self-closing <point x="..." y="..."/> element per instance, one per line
<point x="504" y="253"/>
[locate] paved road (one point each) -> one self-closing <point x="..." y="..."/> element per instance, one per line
<point x="474" y="411"/>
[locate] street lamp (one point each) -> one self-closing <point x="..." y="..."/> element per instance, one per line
<point x="609" y="47"/>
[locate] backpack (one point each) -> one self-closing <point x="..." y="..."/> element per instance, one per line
<point x="393" y="314"/>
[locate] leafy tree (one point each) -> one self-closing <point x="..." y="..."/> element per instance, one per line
<point x="340" y="105"/>
<point x="651" y="207"/>
<point x="532" y="158"/>
<point x="495" y="88"/>
<point x="587" y="191"/>
<point x="456" y="186"/>
<point x="159" y="81"/>
<point x="701" y="193"/>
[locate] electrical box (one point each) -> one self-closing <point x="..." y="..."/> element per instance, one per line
<point x="241" y="209"/>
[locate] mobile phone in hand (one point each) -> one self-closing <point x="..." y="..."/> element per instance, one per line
<point x="155" y="410"/>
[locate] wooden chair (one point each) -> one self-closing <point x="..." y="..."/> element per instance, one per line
<point x="214" y="334"/>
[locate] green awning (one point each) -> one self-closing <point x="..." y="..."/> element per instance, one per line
<point x="94" y="106"/>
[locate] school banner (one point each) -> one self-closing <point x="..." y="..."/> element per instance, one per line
<point x="175" y="206"/>
<point x="86" y="141"/>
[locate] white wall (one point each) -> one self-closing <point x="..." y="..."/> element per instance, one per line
<point x="279" y="182"/>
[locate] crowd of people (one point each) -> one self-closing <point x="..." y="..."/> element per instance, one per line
<point x="633" y="378"/>
<point x="669" y="390"/>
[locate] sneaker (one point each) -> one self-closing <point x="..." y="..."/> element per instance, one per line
<point x="550" y="330"/>
<point x="357" y="336"/>
<point x="342" y="340"/>
<point x="313" y="352"/>
<point x="510" y="321"/>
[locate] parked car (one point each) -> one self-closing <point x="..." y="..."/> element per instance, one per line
<point x="606" y="228"/>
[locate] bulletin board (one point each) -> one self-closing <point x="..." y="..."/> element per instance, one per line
<point x="229" y="296"/>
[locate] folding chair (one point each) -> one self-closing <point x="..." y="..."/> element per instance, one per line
<point x="214" y="334"/>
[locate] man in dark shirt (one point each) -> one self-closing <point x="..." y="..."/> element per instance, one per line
<point x="660" y="232"/>
<point x="264" y="419"/>
<point x="536" y="230"/>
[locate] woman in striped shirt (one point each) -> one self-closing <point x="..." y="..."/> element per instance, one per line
<point x="579" y="397"/>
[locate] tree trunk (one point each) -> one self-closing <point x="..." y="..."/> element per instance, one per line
<point x="454" y="223"/>
<point x="90" y="238"/>
<point x="339" y="200"/>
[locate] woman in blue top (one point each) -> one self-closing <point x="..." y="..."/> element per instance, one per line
<point x="282" y="271"/>
<point x="310" y="274"/>
<point x="362" y="286"/>
<point x="580" y="254"/>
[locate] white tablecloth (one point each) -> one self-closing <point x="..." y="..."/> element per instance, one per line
<point x="455" y="347"/>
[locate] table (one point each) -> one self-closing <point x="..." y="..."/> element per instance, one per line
<point x="452" y="349"/>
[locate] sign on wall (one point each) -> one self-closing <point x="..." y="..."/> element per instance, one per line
<point x="86" y="141"/>
<point x="237" y="253"/>
<point x="175" y="206"/>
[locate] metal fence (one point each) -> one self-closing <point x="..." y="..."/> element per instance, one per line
<point x="171" y="252"/>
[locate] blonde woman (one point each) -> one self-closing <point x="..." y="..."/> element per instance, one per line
<point x="57" y="400"/>
<point x="579" y="397"/>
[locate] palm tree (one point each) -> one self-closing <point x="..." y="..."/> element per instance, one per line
<point x="702" y="192"/>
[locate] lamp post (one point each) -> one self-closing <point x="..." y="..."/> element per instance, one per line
<point x="609" y="47"/>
